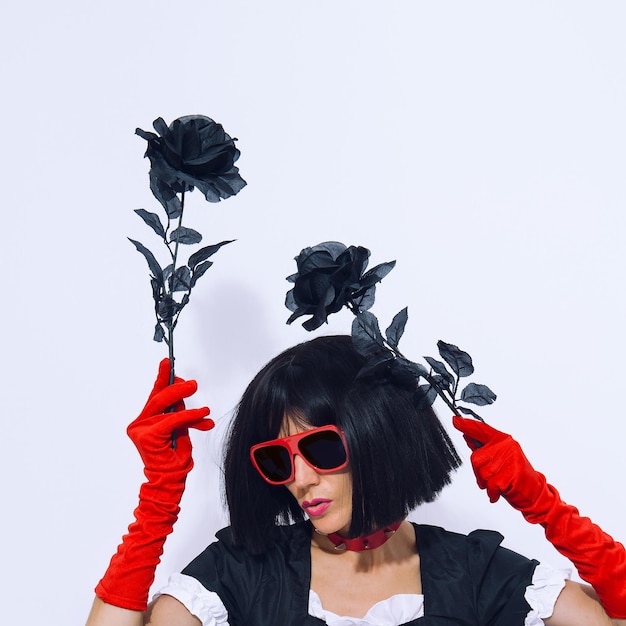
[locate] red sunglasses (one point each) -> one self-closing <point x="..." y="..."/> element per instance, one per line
<point x="324" y="449"/>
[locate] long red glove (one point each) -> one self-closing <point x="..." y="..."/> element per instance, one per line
<point x="503" y="470"/>
<point x="127" y="580"/>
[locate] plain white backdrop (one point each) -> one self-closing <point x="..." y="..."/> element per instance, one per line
<point x="480" y="144"/>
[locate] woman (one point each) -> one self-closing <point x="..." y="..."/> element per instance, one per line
<point x="311" y="439"/>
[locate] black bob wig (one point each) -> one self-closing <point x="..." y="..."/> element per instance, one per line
<point x="400" y="456"/>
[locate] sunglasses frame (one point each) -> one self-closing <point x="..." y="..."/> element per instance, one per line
<point x="291" y="444"/>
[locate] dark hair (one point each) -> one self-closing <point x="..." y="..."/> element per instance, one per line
<point x="400" y="455"/>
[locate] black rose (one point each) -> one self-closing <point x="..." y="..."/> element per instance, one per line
<point x="193" y="151"/>
<point x="331" y="275"/>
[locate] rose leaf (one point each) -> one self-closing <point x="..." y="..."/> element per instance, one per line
<point x="374" y="362"/>
<point x="185" y="235"/>
<point x="459" y="361"/>
<point x="376" y="274"/>
<point x="153" y="264"/>
<point x="396" y="328"/>
<point x="365" y="300"/>
<point x="199" y="271"/>
<point x="152" y="220"/>
<point x="441" y="369"/>
<point x="478" y="394"/>
<point x="467" y="411"/>
<point x="166" y="196"/>
<point x="204" y="253"/>
<point x="159" y="333"/>
<point x="416" y="368"/>
<point x="167" y="308"/>
<point x="181" y="280"/>
<point x="366" y="335"/>
<point x="425" y="396"/>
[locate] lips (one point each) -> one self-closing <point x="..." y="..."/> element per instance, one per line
<point x="316" y="507"/>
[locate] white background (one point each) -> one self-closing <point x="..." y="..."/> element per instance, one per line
<point x="480" y="144"/>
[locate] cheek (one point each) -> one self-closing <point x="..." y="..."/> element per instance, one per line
<point x="343" y="487"/>
<point x="291" y="488"/>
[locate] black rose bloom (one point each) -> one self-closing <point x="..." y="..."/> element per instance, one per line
<point x="193" y="151"/>
<point x="331" y="275"/>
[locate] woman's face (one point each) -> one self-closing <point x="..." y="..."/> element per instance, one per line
<point x="325" y="498"/>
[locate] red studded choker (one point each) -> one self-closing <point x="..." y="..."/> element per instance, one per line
<point x="368" y="542"/>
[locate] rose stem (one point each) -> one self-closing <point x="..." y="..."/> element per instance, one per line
<point x="170" y="324"/>
<point x="353" y="307"/>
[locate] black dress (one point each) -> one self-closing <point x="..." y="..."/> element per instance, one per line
<point x="467" y="580"/>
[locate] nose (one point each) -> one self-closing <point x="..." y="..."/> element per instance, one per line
<point x="304" y="474"/>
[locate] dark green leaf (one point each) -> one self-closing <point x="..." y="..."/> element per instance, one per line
<point x="376" y="274"/>
<point x="185" y="235"/>
<point x="459" y="361"/>
<point x="167" y="308"/>
<point x="416" y="368"/>
<point x="477" y="394"/>
<point x="181" y="280"/>
<point x="441" y="369"/>
<point x="396" y="328"/>
<point x="424" y="396"/>
<point x="366" y="336"/>
<point x="199" y="271"/>
<point x="157" y="289"/>
<point x="159" y="333"/>
<point x="204" y="253"/>
<point x="152" y="220"/>
<point x="166" y="196"/>
<point x="441" y="383"/>
<point x="365" y="301"/>
<point x="467" y="411"/>
<point x="374" y="362"/>
<point x="153" y="264"/>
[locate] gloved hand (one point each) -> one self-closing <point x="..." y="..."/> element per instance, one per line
<point x="130" y="574"/>
<point x="502" y="469"/>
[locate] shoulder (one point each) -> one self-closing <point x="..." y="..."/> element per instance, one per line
<point x="225" y="551"/>
<point x="440" y="538"/>
<point x="480" y="547"/>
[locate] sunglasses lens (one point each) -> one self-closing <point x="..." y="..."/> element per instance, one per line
<point x="274" y="462"/>
<point x="324" y="450"/>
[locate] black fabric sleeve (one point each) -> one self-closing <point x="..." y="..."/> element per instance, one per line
<point x="501" y="577"/>
<point x="471" y="580"/>
<point x="270" y="589"/>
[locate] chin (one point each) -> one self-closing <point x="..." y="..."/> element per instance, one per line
<point x="328" y="526"/>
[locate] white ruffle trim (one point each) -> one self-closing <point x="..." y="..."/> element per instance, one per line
<point x="204" y="604"/>
<point x="397" y="609"/>
<point x="542" y="594"/>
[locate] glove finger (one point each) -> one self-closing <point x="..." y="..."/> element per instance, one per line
<point x="487" y="481"/>
<point x="472" y="444"/>
<point x="162" y="379"/>
<point x="494" y="494"/>
<point x="166" y="423"/>
<point x="476" y="430"/>
<point x="204" y="426"/>
<point x="169" y="397"/>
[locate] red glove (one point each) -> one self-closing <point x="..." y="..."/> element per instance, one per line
<point x="127" y="581"/>
<point x="503" y="470"/>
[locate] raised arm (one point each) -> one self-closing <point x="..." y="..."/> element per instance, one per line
<point x="502" y="469"/>
<point x="122" y="594"/>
